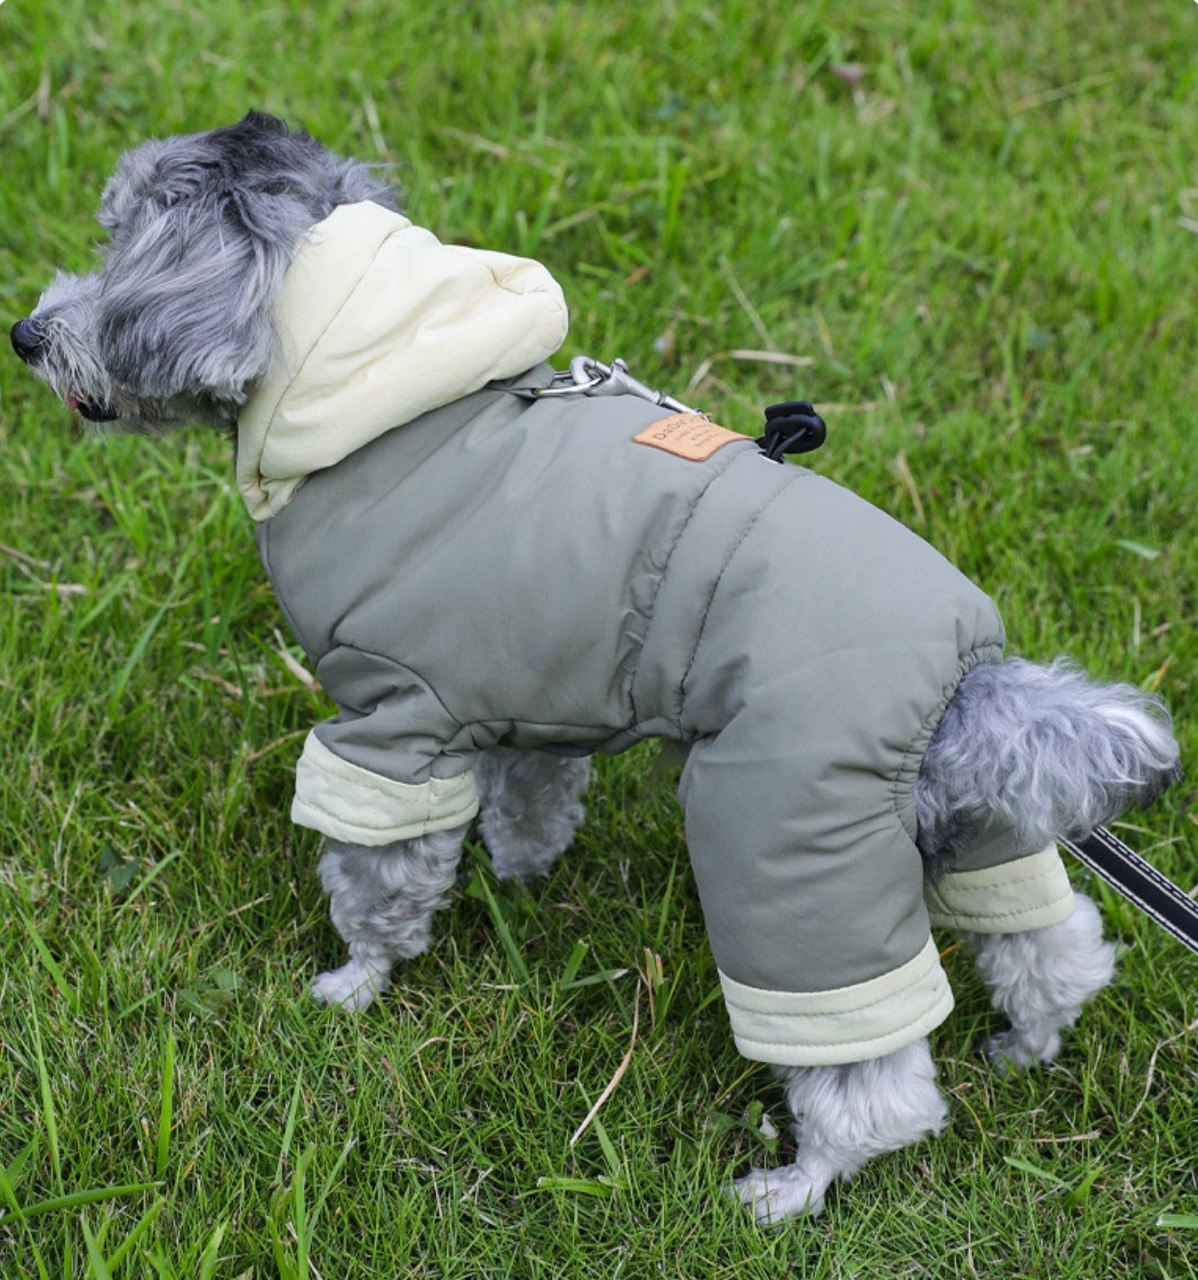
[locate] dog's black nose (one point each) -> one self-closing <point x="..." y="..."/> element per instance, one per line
<point x="27" y="339"/>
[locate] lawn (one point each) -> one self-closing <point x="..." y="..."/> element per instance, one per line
<point x="969" y="233"/>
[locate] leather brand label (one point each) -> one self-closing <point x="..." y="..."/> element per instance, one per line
<point x="687" y="435"/>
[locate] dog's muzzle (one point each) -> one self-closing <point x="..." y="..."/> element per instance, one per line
<point x="28" y="338"/>
<point x="92" y="412"/>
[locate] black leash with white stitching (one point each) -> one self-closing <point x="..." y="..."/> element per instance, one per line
<point x="1140" y="882"/>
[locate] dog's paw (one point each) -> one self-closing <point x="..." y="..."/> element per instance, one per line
<point x="354" y="986"/>
<point x="777" y="1194"/>
<point x="1011" y="1052"/>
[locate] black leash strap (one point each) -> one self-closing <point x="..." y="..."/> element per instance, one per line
<point x="1126" y="872"/>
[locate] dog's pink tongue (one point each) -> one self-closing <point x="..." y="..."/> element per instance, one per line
<point x="72" y="402"/>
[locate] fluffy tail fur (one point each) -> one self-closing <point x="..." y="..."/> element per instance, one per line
<point x="1043" y="750"/>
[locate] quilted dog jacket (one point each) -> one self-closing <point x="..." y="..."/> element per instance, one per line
<point x="469" y="565"/>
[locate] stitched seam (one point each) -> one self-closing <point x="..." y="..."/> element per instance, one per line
<point x="549" y="724"/>
<point x="1149" y="910"/>
<point x="1146" y="869"/>
<point x="424" y="814"/>
<point x="832" y="1013"/>
<point x="943" y="886"/>
<point x="1160" y="882"/>
<point x="927" y="728"/>
<point x="946" y="995"/>
<point x="342" y="770"/>
<point x="433" y="789"/>
<point x="400" y="666"/>
<point x="950" y="914"/>
<point x="716" y="587"/>
<point x="650" y="611"/>
<point x="1163" y="921"/>
<point x="928" y="950"/>
<point x="346" y="771"/>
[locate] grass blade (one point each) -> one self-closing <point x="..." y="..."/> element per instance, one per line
<point x="1035" y="1171"/>
<point x="130" y="663"/>
<point x="1179" y="1221"/>
<point x="211" y="1254"/>
<point x="154" y="872"/>
<point x="289" y="1128"/>
<point x="330" y="1181"/>
<point x="300" y="1216"/>
<point x="95" y="1255"/>
<point x="52" y="965"/>
<point x="144" y="1223"/>
<point x="49" y="1118"/>
<point x="516" y="960"/>
<point x="16" y="1167"/>
<point x="16" y="1213"/>
<point x="604" y="975"/>
<point x="74" y="1199"/>
<point x="164" y="1114"/>
<point x="579" y="1186"/>
<point x="573" y="964"/>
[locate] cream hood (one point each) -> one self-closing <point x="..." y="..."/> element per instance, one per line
<point x="379" y="322"/>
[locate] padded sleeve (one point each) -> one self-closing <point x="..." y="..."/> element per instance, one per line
<point x="812" y="895"/>
<point x="381" y="770"/>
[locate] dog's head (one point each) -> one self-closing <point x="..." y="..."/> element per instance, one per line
<point x="175" y="327"/>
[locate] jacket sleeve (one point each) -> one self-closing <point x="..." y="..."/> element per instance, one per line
<point x="382" y="770"/>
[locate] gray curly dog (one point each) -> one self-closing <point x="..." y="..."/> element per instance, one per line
<point x="494" y="581"/>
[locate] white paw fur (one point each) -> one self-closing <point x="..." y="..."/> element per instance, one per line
<point x="354" y="986"/>
<point x="777" y="1194"/>
<point x="1040" y="980"/>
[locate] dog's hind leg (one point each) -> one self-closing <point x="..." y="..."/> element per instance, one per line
<point x="844" y="1116"/>
<point x="1024" y="754"/>
<point x="1040" y="980"/>
<point x="530" y="806"/>
<point x="382" y="902"/>
<point x="1041" y="750"/>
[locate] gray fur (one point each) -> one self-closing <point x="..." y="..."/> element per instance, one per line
<point x="531" y="805"/>
<point x="176" y="327"/>
<point x="847" y="1115"/>
<point x="844" y="1117"/>
<point x="382" y="900"/>
<point x="1042" y="749"/>
<point x="1041" y="980"/>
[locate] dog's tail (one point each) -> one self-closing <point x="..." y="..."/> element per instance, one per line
<point x="1043" y="750"/>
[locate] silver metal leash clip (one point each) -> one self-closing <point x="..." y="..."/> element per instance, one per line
<point x="591" y="377"/>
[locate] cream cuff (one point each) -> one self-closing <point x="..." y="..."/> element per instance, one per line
<point x="346" y="802"/>
<point x="1013" y="897"/>
<point x="848" y="1024"/>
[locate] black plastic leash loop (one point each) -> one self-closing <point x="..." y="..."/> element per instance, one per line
<point x="791" y="427"/>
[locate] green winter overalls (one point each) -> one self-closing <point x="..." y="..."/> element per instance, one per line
<point x="468" y="566"/>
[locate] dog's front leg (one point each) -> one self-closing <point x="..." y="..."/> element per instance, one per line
<point x="844" y="1116"/>
<point x="1040" y="979"/>
<point x="382" y="901"/>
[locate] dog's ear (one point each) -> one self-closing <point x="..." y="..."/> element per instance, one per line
<point x="204" y="226"/>
<point x="263" y="153"/>
<point x="263" y="123"/>
<point x="185" y="306"/>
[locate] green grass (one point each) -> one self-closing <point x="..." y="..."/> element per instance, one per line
<point x="985" y="257"/>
